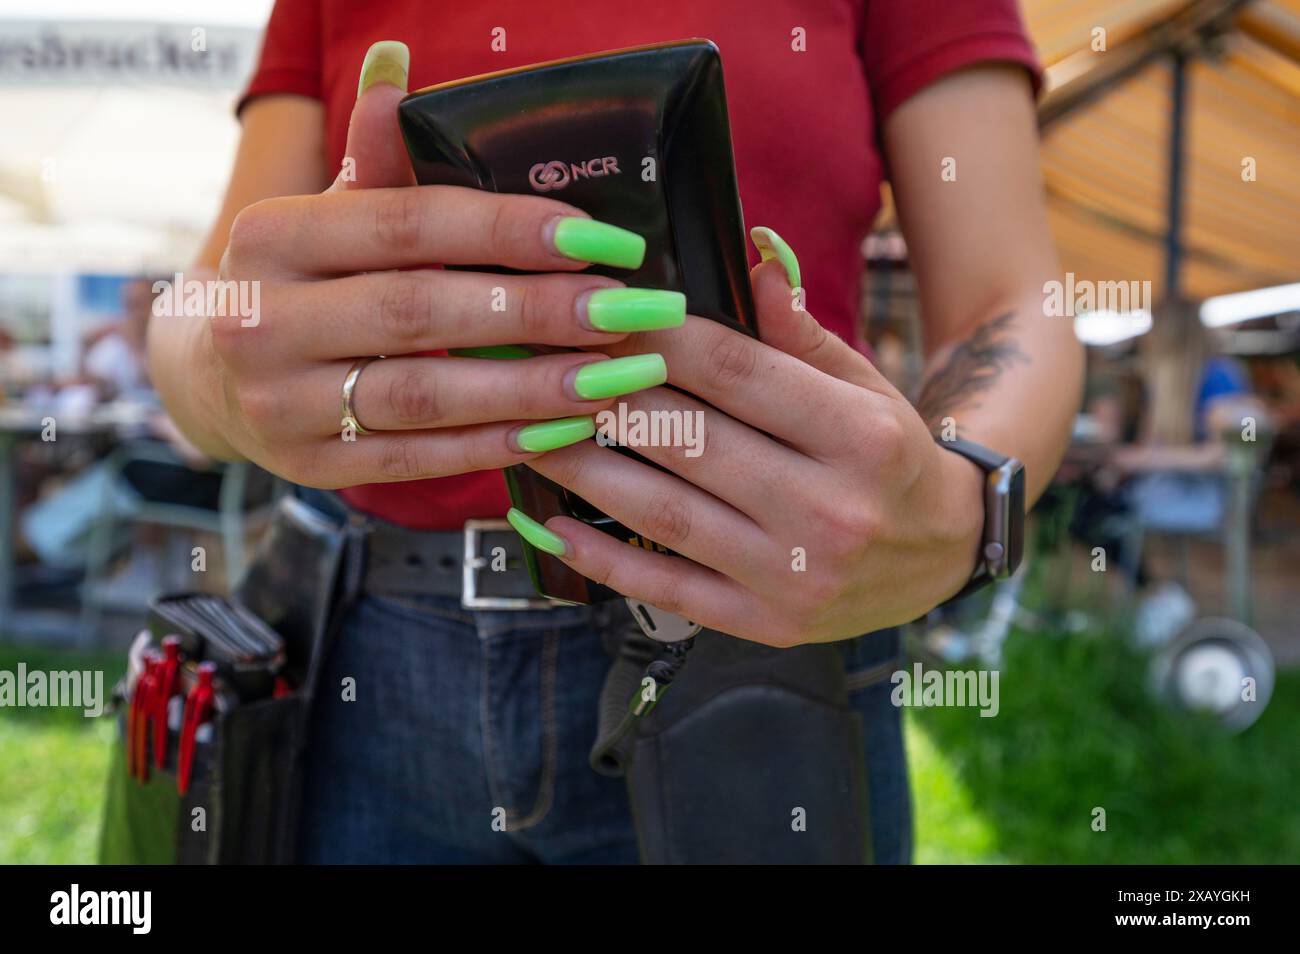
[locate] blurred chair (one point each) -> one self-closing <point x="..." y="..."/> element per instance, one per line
<point x="1179" y="506"/>
<point x="243" y="500"/>
<point x="1218" y="505"/>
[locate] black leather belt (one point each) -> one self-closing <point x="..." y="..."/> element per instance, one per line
<point x="482" y="564"/>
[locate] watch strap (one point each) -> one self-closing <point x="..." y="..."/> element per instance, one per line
<point x="989" y="461"/>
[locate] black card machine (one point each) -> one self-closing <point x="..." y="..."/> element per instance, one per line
<point x="638" y="138"/>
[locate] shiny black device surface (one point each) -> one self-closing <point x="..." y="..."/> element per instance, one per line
<point x="638" y="138"/>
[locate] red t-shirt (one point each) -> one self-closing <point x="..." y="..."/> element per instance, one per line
<point x="804" y="124"/>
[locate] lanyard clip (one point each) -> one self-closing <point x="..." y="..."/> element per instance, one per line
<point x="660" y="626"/>
<point x="659" y="675"/>
<point x="675" y="635"/>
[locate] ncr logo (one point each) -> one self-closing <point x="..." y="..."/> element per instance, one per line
<point x="550" y="176"/>
<point x="102" y="907"/>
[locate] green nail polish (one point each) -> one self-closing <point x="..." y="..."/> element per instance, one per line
<point x="549" y="435"/>
<point x="635" y="309"/>
<point x="600" y="243"/>
<point x="770" y="246"/>
<point x="606" y="379"/>
<point x="535" y="533"/>
<point x="498" y="352"/>
<point x="387" y="61"/>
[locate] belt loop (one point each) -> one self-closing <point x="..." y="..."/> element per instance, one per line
<point x="356" y="533"/>
<point x="347" y="589"/>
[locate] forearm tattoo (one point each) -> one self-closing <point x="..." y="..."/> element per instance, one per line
<point x="973" y="367"/>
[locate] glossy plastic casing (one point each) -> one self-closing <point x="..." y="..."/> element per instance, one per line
<point x="638" y="138"/>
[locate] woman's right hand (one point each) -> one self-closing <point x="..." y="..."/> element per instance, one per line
<point x="345" y="275"/>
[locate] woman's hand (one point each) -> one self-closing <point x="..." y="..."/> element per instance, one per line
<point x="820" y="507"/>
<point x="331" y="292"/>
<point x="344" y="275"/>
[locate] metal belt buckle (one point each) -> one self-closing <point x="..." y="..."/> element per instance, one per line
<point x="474" y="563"/>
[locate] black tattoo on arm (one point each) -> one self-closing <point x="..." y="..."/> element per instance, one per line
<point x="973" y="367"/>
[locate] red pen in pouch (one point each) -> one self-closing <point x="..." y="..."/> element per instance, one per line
<point x="198" y="707"/>
<point x="137" y="744"/>
<point x="165" y="686"/>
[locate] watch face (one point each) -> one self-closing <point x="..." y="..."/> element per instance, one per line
<point x="1016" y="514"/>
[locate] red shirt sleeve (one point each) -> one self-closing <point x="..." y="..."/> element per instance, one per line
<point x="290" y="61"/>
<point x="908" y="44"/>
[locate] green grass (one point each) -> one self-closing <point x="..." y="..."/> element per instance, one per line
<point x="53" y="768"/>
<point x="1076" y="730"/>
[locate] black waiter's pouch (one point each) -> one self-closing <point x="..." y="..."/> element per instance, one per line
<point x="208" y="763"/>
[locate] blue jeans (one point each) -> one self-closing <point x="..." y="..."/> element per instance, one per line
<point x="435" y="725"/>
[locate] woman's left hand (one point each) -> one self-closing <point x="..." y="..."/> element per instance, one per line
<point x="818" y="508"/>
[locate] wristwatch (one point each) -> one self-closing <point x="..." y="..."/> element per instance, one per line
<point x="1003" y="540"/>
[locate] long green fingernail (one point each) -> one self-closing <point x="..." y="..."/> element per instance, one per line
<point x="535" y="533"/>
<point x="606" y="379"/>
<point x="387" y="61"/>
<point x="549" y="435"/>
<point x="635" y="309"/>
<point x="587" y="240"/>
<point x="770" y="246"/>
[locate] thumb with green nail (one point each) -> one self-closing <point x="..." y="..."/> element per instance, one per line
<point x="784" y="321"/>
<point x="375" y="156"/>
